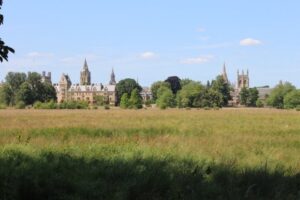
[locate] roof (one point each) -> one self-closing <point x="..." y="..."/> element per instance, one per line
<point x="89" y="88"/>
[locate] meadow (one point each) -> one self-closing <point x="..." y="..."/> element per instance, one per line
<point x="150" y="154"/>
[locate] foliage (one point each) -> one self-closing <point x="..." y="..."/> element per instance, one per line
<point x="249" y="97"/>
<point x="101" y="100"/>
<point x="292" y="99"/>
<point x="4" y="50"/>
<point x="124" y="101"/>
<point x="223" y="87"/>
<point x="208" y="98"/>
<point x="64" y="105"/>
<point x="174" y="82"/>
<point x="28" y="89"/>
<point x="126" y="86"/>
<point x="276" y="98"/>
<point x="187" y="95"/>
<point x="165" y="98"/>
<point x="135" y="100"/>
<point x="260" y="103"/>
<point x="20" y="105"/>
<point x="155" y="87"/>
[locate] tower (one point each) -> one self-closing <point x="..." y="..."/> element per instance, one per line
<point x="85" y="75"/>
<point x="224" y="75"/>
<point x="112" y="78"/>
<point x="64" y="85"/>
<point x="242" y="80"/>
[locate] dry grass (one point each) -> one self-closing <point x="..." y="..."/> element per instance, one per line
<point x="246" y="137"/>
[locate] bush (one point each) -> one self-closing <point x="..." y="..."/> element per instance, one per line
<point x="2" y="106"/>
<point x="20" y="105"/>
<point x="106" y="107"/>
<point x="298" y="108"/>
<point x="259" y="103"/>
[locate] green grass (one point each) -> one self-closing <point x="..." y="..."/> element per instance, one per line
<point x="150" y="154"/>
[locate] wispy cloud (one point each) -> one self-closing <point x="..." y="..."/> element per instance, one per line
<point x="250" y="42"/>
<point x="36" y="54"/>
<point x="148" y="55"/>
<point x="201" y="30"/>
<point x="198" y="60"/>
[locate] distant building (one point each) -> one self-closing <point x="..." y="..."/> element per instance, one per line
<point x="46" y="78"/>
<point x="243" y="81"/>
<point x="146" y="94"/>
<point x="85" y="91"/>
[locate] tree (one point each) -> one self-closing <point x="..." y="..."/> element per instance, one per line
<point x="4" y="50"/>
<point x="292" y="99"/>
<point x="13" y="81"/>
<point x="126" y="86"/>
<point x="208" y="98"/>
<point x="244" y="95"/>
<point x="276" y="98"/>
<point x="165" y="98"/>
<point x="223" y="87"/>
<point x="47" y="92"/>
<point x="253" y="97"/>
<point x="174" y="83"/>
<point x="188" y="93"/>
<point x="248" y="97"/>
<point x="25" y="94"/>
<point x="135" y="100"/>
<point x="124" y="101"/>
<point x="155" y="87"/>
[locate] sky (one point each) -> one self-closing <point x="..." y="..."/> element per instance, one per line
<point x="150" y="40"/>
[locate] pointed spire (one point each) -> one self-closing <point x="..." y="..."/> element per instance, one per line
<point x="112" y="78"/>
<point x="85" y="66"/>
<point x="225" y="77"/>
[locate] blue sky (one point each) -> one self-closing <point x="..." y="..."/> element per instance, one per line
<point x="153" y="39"/>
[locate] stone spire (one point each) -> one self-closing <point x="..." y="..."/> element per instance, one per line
<point x="112" y="78"/>
<point x="85" y="75"/>
<point x="225" y="77"/>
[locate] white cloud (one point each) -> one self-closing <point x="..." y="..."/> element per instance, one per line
<point x="148" y="55"/>
<point x="198" y="60"/>
<point x="250" y="42"/>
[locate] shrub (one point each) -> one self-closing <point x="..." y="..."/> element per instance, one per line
<point x="259" y="103"/>
<point x="20" y="105"/>
<point x="2" y="106"/>
<point x="106" y="107"/>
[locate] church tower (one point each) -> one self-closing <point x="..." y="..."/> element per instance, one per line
<point x="85" y="75"/>
<point x="112" y="78"/>
<point x="242" y="80"/>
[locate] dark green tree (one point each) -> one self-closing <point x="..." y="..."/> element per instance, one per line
<point x="276" y="98"/>
<point x="13" y="81"/>
<point x="4" y="49"/>
<point x="174" y="83"/>
<point x="47" y="92"/>
<point x="253" y="97"/>
<point x="223" y="87"/>
<point x="208" y="98"/>
<point x="135" y="100"/>
<point x="292" y="99"/>
<point x="155" y="87"/>
<point x="244" y="96"/>
<point x="126" y="86"/>
<point x="25" y="94"/>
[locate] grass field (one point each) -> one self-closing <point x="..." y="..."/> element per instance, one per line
<point x="150" y="154"/>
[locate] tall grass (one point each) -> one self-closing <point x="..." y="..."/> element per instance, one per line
<point x="150" y="154"/>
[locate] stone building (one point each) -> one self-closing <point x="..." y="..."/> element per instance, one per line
<point x="85" y="91"/>
<point x="46" y="78"/>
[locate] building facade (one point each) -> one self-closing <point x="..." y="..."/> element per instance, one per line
<point x="85" y="91"/>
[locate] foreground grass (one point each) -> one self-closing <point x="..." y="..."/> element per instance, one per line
<point x="150" y="154"/>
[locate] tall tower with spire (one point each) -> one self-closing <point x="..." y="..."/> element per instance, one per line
<point x="112" y="78"/>
<point x="85" y="75"/>
<point x="224" y="75"/>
